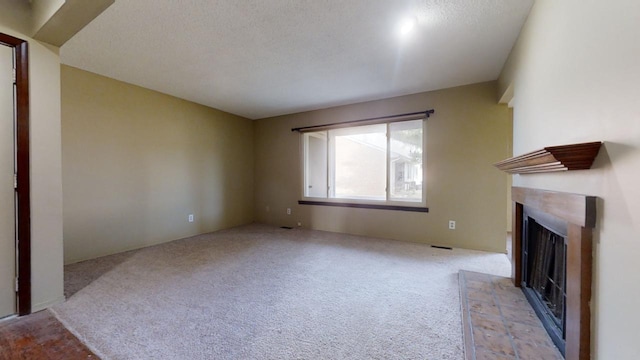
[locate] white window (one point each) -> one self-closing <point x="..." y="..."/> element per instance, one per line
<point x="379" y="164"/>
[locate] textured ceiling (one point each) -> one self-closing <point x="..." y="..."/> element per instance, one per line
<point x="264" y="58"/>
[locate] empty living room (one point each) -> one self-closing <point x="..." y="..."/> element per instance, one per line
<point x="340" y="179"/>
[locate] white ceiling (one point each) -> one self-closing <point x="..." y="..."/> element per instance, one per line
<point x="263" y="58"/>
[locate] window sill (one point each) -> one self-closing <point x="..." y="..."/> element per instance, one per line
<point x="365" y="206"/>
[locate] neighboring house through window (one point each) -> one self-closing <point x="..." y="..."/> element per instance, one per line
<point x="368" y="164"/>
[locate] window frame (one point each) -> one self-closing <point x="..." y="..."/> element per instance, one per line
<point x="388" y="203"/>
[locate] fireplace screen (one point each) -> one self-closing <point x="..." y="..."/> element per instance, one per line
<point x="544" y="262"/>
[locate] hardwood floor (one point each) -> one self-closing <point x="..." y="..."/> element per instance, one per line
<point x="39" y="336"/>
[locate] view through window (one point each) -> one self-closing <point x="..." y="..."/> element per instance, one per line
<point x="381" y="163"/>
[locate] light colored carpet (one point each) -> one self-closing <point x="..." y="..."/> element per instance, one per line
<point x="260" y="292"/>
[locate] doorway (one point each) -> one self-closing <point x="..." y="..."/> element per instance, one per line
<point x="15" y="223"/>
<point x="7" y="191"/>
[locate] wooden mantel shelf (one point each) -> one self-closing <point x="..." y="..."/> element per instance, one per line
<point x="552" y="158"/>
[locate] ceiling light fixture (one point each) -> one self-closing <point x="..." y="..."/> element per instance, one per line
<point x="407" y="25"/>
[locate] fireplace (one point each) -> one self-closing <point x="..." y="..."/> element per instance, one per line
<point x="544" y="255"/>
<point x="552" y="234"/>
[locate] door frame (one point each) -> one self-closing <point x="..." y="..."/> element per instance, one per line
<point x="23" y="199"/>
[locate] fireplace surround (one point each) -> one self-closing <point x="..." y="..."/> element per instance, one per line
<point x="578" y="212"/>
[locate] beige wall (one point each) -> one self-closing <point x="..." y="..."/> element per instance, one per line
<point x="43" y="11"/>
<point x="46" y="179"/>
<point x="509" y="176"/>
<point x="467" y="134"/>
<point x="16" y="16"/>
<point x="137" y="162"/>
<point x="56" y="21"/>
<point x="576" y="77"/>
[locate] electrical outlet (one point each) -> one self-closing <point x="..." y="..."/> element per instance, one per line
<point x="299" y="223"/>
<point x="190" y="218"/>
<point x="288" y="211"/>
<point x="452" y="225"/>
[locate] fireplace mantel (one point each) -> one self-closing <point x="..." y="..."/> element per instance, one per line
<point x="579" y="212"/>
<point x="552" y="158"/>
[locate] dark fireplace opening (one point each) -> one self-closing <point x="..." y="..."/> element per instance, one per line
<point x="544" y="258"/>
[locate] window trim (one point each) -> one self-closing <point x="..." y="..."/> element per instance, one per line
<point x="388" y="203"/>
<point x="365" y="206"/>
